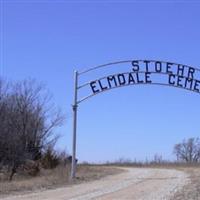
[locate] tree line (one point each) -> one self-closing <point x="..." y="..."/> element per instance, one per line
<point x="28" y="119"/>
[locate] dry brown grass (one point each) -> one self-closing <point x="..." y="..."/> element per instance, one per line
<point x="54" y="178"/>
<point x="191" y="191"/>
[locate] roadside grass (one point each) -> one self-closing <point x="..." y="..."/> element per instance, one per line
<point x="60" y="176"/>
<point x="161" y="164"/>
<point x="49" y="179"/>
<point x="191" y="191"/>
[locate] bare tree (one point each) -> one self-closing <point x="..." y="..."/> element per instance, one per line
<point x="28" y="120"/>
<point x="188" y="150"/>
<point x="158" y="159"/>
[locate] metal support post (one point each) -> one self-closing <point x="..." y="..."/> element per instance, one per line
<point x="74" y="108"/>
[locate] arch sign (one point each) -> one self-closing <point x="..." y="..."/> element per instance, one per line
<point x="138" y="72"/>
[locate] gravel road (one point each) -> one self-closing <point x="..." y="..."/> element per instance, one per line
<point x="132" y="184"/>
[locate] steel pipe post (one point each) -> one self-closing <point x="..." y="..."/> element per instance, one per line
<point x="74" y="108"/>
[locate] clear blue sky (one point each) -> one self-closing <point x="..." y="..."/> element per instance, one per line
<point x="48" y="40"/>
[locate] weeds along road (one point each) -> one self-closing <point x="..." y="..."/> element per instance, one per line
<point x="132" y="184"/>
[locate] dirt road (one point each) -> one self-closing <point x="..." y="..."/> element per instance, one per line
<point x="132" y="184"/>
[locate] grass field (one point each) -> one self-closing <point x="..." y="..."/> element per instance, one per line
<point x="190" y="191"/>
<point x="57" y="177"/>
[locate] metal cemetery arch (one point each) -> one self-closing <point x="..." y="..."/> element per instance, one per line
<point x="142" y="72"/>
